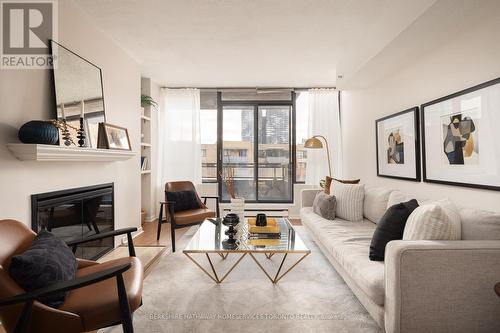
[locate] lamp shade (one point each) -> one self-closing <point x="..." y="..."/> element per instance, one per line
<point x="313" y="143"/>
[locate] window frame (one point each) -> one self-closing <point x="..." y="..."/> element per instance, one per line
<point x="256" y="104"/>
<point x="219" y="136"/>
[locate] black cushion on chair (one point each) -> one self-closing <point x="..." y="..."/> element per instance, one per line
<point x="390" y="227"/>
<point x="46" y="261"/>
<point x="183" y="200"/>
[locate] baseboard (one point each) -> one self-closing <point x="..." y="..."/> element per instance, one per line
<point x="134" y="235"/>
<point x="150" y="218"/>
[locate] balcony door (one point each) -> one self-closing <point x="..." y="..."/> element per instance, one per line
<point x="255" y="148"/>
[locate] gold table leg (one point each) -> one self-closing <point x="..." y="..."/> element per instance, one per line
<point x="278" y="277"/>
<point x="269" y="255"/>
<point x="215" y="277"/>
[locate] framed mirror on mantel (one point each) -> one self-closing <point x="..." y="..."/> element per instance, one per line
<point x="79" y="93"/>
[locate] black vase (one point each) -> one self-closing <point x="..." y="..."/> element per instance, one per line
<point x="40" y="132"/>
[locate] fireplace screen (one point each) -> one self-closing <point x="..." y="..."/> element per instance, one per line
<point x="75" y="214"/>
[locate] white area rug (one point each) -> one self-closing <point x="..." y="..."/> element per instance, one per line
<point x="179" y="297"/>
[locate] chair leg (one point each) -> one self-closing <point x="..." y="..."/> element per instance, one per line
<point x="172" y="235"/>
<point x="24" y="318"/>
<point x="217" y="207"/>
<point x="160" y="217"/>
<point x="124" y="306"/>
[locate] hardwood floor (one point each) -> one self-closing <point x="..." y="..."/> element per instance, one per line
<point x="148" y="237"/>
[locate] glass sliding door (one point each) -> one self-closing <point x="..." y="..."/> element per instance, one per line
<point x="238" y="135"/>
<point x="256" y="149"/>
<point x="274" y="154"/>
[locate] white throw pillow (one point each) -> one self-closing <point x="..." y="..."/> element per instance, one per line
<point x="436" y="221"/>
<point x="375" y="203"/>
<point x="396" y="197"/>
<point x="350" y="199"/>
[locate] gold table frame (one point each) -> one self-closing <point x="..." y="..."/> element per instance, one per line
<point x="243" y="252"/>
<point x="225" y="253"/>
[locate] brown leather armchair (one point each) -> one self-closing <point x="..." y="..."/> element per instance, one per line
<point x="185" y="218"/>
<point x="101" y="295"/>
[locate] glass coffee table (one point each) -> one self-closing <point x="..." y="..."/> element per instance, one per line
<point x="211" y="234"/>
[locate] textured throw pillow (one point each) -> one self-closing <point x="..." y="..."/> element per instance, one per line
<point x="390" y="227"/>
<point x="349" y="201"/>
<point x="328" y="183"/>
<point x="436" y="221"/>
<point x="347" y="181"/>
<point x="183" y="200"/>
<point x="46" y="261"/>
<point x="324" y="205"/>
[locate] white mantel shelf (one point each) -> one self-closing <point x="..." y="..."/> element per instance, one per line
<point x="34" y="152"/>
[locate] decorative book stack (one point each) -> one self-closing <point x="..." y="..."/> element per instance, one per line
<point x="270" y="231"/>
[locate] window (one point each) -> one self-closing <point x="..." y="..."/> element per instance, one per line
<point x="208" y="132"/>
<point x="256" y="142"/>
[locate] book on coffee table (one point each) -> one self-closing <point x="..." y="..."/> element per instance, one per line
<point x="269" y="229"/>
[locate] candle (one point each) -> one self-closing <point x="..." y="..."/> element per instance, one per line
<point x="82" y="111"/>
<point x="62" y="111"/>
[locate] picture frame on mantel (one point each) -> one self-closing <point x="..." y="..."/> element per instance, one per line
<point x="397" y="138"/>
<point x="113" y="137"/>
<point x="460" y="138"/>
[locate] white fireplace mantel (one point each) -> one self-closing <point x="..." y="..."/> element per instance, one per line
<point x="35" y="152"/>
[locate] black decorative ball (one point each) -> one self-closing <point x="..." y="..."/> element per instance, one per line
<point x="39" y="131"/>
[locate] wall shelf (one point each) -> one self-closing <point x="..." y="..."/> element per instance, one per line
<point x="34" y="152"/>
<point x="143" y="144"/>
<point x="145" y="118"/>
<point x="145" y="172"/>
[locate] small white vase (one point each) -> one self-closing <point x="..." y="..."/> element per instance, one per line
<point x="238" y="208"/>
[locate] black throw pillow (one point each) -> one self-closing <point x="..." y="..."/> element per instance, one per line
<point x="46" y="261"/>
<point x="390" y="227"/>
<point x="184" y="200"/>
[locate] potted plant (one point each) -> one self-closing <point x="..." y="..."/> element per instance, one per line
<point x="147" y="101"/>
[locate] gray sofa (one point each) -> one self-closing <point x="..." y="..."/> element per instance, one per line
<point x="423" y="286"/>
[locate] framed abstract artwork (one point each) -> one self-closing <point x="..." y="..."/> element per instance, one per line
<point x="398" y="145"/>
<point x="461" y="141"/>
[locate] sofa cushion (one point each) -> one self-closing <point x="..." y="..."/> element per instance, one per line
<point x="397" y="197"/>
<point x="480" y="224"/>
<point x="348" y="243"/>
<point x="350" y="199"/>
<point x="390" y="227"/>
<point x="375" y="203"/>
<point x="324" y="205"/>
<point x="436" y="221"/>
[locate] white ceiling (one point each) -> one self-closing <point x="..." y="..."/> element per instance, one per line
<point x="254" y="43"/>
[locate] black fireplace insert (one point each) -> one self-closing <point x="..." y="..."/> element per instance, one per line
<point x="77" y="213"/>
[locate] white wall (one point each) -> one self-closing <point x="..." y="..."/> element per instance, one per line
<point x="461" y="61"/>
<point x="28" y="94"/>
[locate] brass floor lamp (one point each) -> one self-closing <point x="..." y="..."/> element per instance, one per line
<point x="315" y="143"/>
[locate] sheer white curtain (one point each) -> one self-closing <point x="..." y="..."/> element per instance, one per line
<point x="324" y="119"/>
<point x="179" y="146"/>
